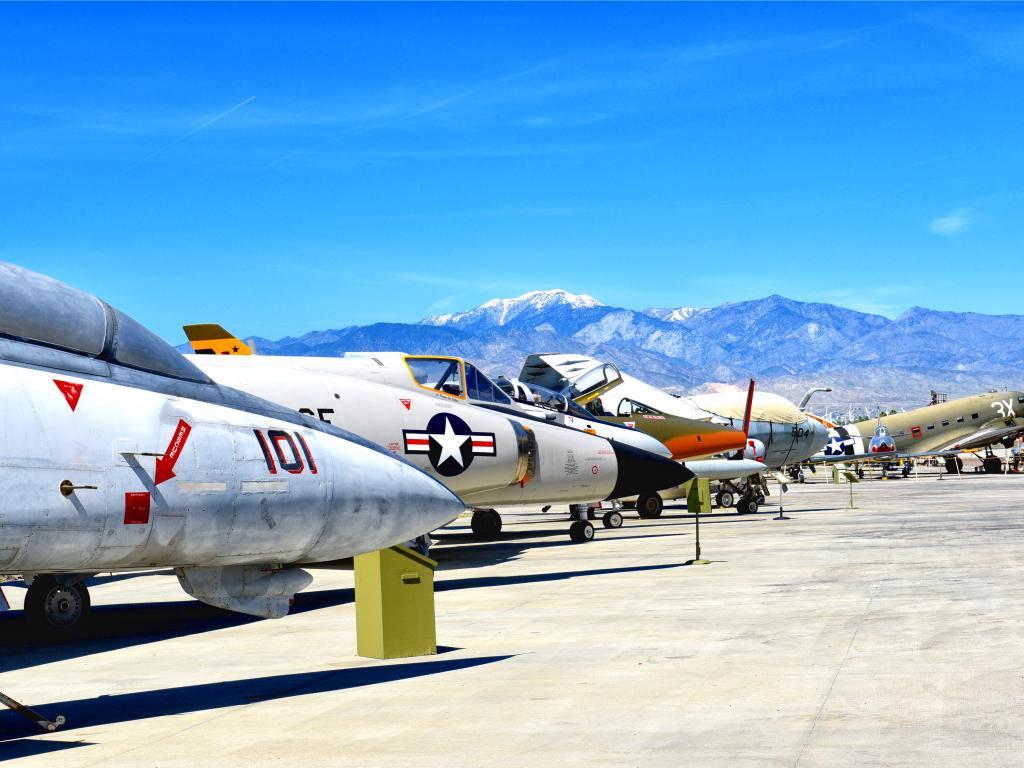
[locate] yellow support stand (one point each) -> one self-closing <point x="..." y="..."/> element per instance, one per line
<point x="835" y="474"/>
<point x="395" y="604"/>
<point x="698" y="496"/>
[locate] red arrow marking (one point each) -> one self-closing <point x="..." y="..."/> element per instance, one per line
<point x="165" y="464"/>
<point x="71" y="391"/>
<point x="406" y="403"/>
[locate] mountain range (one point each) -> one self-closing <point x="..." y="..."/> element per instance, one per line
<point x="786" y="345"/>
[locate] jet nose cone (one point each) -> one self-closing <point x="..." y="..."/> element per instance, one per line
<point x="422" y="503"/>
<point x="709" y="441"/>
<point x="640" y="471"/>
<point x="818" y="437"/>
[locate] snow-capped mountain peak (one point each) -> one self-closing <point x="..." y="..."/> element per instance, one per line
<point x="677" y="315"/>
<point x="503" y="311"/>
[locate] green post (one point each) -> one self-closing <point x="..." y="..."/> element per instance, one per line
<point x="698" y="499"/>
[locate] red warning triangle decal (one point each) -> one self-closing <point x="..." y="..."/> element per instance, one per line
<point x="71" y="392"/>
<point x="406" y="402"/>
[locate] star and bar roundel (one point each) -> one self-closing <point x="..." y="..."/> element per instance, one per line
<point x="449" y="443"/>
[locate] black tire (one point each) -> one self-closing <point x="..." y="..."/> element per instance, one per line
<point x="581" y="531"/>
<point x="56" y="610"/>
<point x="954" y="466"/>
<point x="612" y="519"/>
<point x="649" y="506"/>
<point x="801" y="477"/>
<point x="752" y="506"/>
<point x="992" y="465"/>
<point x="486" y="523"/>
<point x="725" y="499"/>
<point x="760" y="497"/>
<point x="744" y="504"/>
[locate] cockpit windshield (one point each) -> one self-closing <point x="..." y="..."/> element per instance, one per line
<point x="442" y="374"/>
<point x="629" y="407"/>
<point x="40" y="310"/>
<point x="454" y="377"/>
<point x="479" y="387"/>
<point x="597" y="379"/>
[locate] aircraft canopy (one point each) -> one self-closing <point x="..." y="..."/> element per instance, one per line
<point x="40" y="310"/>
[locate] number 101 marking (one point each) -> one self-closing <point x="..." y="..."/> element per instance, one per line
<point x="292" y="462"/>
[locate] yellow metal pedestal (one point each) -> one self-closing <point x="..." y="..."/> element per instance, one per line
<point x="698" y="496"/>
<point x="395" y="604"/>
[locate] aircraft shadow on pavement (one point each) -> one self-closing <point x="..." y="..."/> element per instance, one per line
<point x="123" y="626"/>
<point x="124" y="707"/>
<point x="534" y="578"/>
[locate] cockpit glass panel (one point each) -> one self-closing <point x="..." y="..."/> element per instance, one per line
<point x="437" y="373"/>
<point x="479" y="387"/>
<point x="631" y="407"/>
<point x="138" y="347"/>
<point x="594" y="379"/>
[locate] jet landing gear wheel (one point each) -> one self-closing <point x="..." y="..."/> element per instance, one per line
<point x="649" y="505"/>
<point x="725" y="499"/>
<point x="486" y="523"/>
<point x="992" y="465"/>
<point x="746" y="506"/>
<point x="581" y="531"/>
<point x="760" y="498"/>
<point x="51" y="608"/>
<point x="612" y="519"/>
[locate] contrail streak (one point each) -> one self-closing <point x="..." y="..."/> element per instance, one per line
<point x="483" y="87"/>
<point x="194" y="131"/>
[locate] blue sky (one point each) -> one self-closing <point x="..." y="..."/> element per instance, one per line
<point x="284" y="168"/>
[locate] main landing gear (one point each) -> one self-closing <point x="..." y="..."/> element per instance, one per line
<point x="747" y="495"/>
<point x="486" y="523"/>
<point x="991" y="464"/>
<point x="57" y="608"/>
<point x="649" y="505"/>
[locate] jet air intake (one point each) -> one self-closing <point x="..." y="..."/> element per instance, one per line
<point x="526" y="448"/>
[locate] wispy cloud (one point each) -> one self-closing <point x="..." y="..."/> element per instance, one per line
<point x="952" y="223"/>
<point x="194" y="131"/>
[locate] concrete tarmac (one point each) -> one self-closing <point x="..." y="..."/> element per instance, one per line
<point x="891" y="634"/>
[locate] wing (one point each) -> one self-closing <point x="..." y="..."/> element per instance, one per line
<point x="988" y="434"/>
<point x="888" y="456"/>
<point x="213" y="339"/>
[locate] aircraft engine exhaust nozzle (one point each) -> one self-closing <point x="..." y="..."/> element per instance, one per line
<point x="643" y="471"/>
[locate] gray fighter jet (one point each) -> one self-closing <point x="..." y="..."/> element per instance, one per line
<point x="116" y="453"/>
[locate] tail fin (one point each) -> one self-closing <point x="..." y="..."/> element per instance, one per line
<point x="212" y="339"/>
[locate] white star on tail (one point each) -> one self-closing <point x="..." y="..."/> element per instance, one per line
<point x="451" y="444"/>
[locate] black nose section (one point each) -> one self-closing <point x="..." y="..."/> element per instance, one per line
<point x="642" y="471"/>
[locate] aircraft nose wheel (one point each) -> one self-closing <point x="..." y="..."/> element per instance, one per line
<point x="486" y="523"/>
<point x="612" y="520"/>
<point x="581" y="531"/>
<point x="50" y="606"/>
